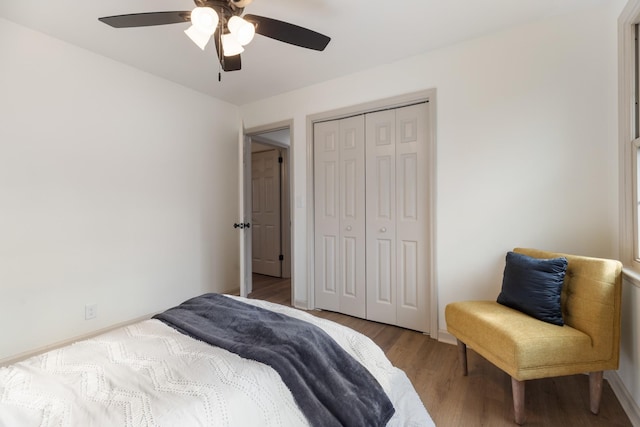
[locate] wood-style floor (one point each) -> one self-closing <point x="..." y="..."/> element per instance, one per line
<point x="481" y="399"/>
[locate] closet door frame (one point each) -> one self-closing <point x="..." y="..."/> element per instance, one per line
<point x="377" y="105"/>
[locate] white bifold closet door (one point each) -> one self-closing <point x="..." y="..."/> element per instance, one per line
<point x="372" y="216"/>
<point x="397" y="223"/>
<point x="339" y="191"/>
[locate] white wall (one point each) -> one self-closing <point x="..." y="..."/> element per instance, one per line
<point x="526" y="144"/>
<point x="111" y="190"/>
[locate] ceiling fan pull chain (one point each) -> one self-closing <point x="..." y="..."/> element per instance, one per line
<point x="219" y="50"/>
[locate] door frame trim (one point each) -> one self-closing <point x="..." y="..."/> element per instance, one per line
<point x="428" y="95"/>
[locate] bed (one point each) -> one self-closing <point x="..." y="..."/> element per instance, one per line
<point x="159" y="372"/>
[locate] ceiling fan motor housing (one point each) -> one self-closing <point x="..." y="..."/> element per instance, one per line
<point x="224" y="8"/>
<point x="224" y="4"/>
<point x="241" y="3"/>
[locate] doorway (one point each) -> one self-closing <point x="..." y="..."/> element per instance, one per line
<point x="268" y="200"/>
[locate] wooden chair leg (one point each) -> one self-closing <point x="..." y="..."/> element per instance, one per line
<point x="462" y="355"/>
<point x="595" y="390"/>
<point x="517" y="389"/>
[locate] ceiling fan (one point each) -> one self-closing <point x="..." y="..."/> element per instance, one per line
<point x="222" y="21"/>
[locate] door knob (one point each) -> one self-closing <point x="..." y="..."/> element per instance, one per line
<point x="383" y="230"/>
<point x="348" y="228"/>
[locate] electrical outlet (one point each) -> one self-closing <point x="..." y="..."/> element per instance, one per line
<point x="90" y="311"/>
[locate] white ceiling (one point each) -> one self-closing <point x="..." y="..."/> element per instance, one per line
<point x="364" y="33"/>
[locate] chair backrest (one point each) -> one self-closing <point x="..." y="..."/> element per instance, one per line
<point x="591" y="296"/>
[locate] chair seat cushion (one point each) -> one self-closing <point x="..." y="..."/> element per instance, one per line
<point x="524" y="347"/>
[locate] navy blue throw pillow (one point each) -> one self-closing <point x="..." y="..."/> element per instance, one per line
<point x="533" y="286"/>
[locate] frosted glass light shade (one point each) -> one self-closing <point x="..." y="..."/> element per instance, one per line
<point x="204" y="19"/>
<point x="230" y="45"/>
<point x="197" y="36"/>
<point x="242" y="30"/>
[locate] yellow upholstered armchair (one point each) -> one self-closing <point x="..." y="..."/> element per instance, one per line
<point x="530" y="343"/>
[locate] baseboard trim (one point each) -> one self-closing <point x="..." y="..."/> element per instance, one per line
<point x="301" y="304"/>
<point x="624" y="397"/>
<point x="30" y="353"/>
<point x="446" y="337"/>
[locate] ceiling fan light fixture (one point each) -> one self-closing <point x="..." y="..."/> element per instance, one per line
<point x="241" y="29"/>
<point x="198" y="37"/>
<point x="214" y="18"/>
<point x="205" y="19"/>
<point x="230" y="45"/>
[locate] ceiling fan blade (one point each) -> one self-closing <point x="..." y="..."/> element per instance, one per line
<point x="228" y="63"/>
<point x="146" y="19"/>
<point x="288" y="33"/>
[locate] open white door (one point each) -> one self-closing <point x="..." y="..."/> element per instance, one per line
<point x="265" y="213"/>
<point x="244" y="209"/>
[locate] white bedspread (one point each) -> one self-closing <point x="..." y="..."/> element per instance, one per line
<point x="148" y="374"/>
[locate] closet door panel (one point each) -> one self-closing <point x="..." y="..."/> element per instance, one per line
<point x="381" y="216"/>
<point x="349" y="271"/>
<point x="326" y="271"/>
<point x="412" y="224"/>
<point x="327" y="215"/>
<point x="352" y="217"/>
<point x="408" y="187"/>
<point x="408" y="275"/>
<point x="383" y="273"/>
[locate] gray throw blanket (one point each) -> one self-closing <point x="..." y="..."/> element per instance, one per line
<point x="330" y="387"/>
